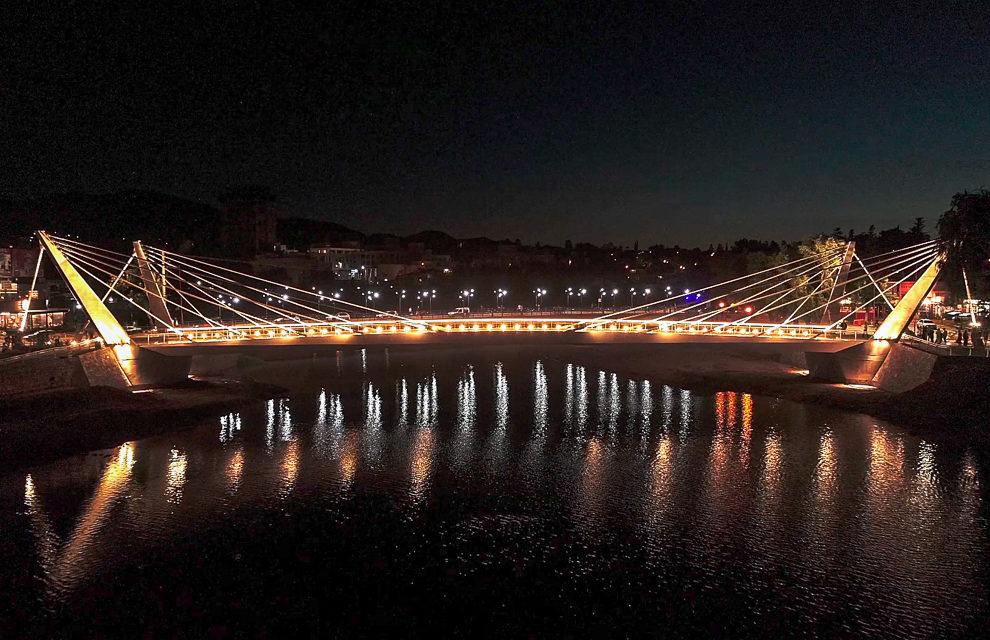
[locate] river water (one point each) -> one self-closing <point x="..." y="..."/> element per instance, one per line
<point x="502" y="494"/>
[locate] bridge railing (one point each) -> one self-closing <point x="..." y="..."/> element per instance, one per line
<point x="946" y="349"/>
<point x="560" y="324"/>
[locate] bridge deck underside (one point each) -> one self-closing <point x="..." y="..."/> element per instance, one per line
<point x="330" y="343"/>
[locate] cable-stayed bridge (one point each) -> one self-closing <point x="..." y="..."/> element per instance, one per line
<point x="198" y="305"/>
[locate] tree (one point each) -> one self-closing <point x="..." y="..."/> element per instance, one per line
<point x="965" y="230"/>
<point x="818" y="284"/>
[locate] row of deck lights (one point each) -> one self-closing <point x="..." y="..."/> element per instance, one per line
<point x="624" y="327"/>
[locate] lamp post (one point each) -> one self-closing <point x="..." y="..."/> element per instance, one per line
<point x="537" y="294"/>
<point x="499" y="294"/>
<point x="580" y="295"/>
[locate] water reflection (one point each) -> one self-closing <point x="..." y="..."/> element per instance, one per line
<point x="501" y="398"/>
<point x="540" y="399"/>
<point x="176" y="476"/>
<point x="645" y="406"/>
<point x="496" y="447"/>
<point x="421" y="464"/>
<point x="290" y="469"/>
<point x="82" y="550"/>
<point x="685" y="412"/>
<point x="746" y="434"/>
<point x="234" y="470"/>
<point x="467" y="412"/>
<point x="427" y="406"/>
<point x="329" y="424"/>
<point x="736" y="491"/>
<point x="230" y="426"/>
<point x="667" y="406"/>
<point x="402" y="395"/>
<point x="348" y="460"/>
<point x="590" y="516"/>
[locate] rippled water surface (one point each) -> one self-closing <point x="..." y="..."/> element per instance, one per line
<point x="404" y="494"/>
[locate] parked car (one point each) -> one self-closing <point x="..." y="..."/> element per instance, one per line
<point x="460" y="311"/>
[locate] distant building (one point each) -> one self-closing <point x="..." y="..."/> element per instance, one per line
<point x="352" y="261"/>
<point x="248" y="227"/>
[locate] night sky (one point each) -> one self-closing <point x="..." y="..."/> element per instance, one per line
<point x="685" y="123"/>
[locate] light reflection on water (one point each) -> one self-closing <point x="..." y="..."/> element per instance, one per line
<point x="844" y="507"/>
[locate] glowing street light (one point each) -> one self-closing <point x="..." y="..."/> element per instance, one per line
<point x="537" y="294"/>
<point x="499" y="294"/>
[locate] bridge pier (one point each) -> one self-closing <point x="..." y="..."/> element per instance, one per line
<point x="858" y="364"/>
<point x="132" y="367"/>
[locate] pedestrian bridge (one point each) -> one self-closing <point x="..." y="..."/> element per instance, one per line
<point x="809" y="298"/>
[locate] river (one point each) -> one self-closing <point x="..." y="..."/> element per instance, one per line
<point x="404" y="494"/>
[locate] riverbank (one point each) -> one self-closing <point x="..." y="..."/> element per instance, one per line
<point x="45" y="427"/>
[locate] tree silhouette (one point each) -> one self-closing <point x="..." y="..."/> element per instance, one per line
<point x="965" y="229"/>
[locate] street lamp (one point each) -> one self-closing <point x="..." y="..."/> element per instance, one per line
<point x="580" y="295"/>
<point x="499" y="294"/>
<point x="537" y="294"/>
<point x="428" y="295"/>
<point x="371" y="296"/>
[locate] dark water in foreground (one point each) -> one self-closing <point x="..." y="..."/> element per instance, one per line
<point x="515" y="496"/>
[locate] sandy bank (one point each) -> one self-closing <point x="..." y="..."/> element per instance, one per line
<point x="49" y="426"/>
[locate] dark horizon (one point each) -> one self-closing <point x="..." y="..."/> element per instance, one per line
<point x="677" y="125"/>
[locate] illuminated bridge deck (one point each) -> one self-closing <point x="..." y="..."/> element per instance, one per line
<point x="485" y="330"/>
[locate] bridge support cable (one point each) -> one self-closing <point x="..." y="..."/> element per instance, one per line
<point x="924" y="269"/>
<point x="210" y="280"/>
<point x="193" y="262"/>
<point x="120" y="274"/>
<point x="881" y="259"/>
<point x="911" y="264"/>
<point x="915" y="257"/>
<point x="34" y="283"/>
<point x="605" y="317"/>
<point x="899" y="259"/>
<point x="803" y="265"/>
<point x="83" y="257"/>
<point x="94" y="265"/>
<point x="885" y="298"/>
<point x="760" y="295"/>
<point x="811" y="264"/>
<point x="781" y="278"/>
<point x="773" y="304"/>
<point x="254" y="320"/>
<point x="331" y="301"/>
<point x="839" y="282"/>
